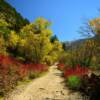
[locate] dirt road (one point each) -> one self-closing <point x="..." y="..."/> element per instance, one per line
<point x="49" y="87"/>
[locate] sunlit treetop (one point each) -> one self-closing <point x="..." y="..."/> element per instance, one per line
<point x="40" y="26"/>
<point x="95" y="24"/>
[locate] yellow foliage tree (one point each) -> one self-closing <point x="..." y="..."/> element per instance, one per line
<point x="36" y="38"/>
<point x="95" y="24"/>
<point x="2" y="46"/>
<point x="13" y="39"/>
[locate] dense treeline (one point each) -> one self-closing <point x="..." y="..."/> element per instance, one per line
<point x="32" y="44"/>
<point x="28" y="41"/>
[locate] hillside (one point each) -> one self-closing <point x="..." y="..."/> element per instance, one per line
<point x="73" y="44"/>
<point x="11" y="16"/>
<point x="77" y="43"/>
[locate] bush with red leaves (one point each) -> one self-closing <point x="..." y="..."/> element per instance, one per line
<point x="78" y="71"/>
<point x="12" y="70"/>
<point x="61" y="66"/>
<point x="27" y="69"/>
<point x="8" y="73"/>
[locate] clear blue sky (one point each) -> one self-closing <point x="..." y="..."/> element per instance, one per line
<point x="66" y="15"/>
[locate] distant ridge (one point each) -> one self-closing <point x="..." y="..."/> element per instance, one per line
<point x="73" y="44"/>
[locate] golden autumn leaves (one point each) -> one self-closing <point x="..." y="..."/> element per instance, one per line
<point x="33" y="42"/>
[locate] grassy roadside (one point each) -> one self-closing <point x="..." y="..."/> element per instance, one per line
<point x="27" y="81"/>
<point x="1" y="98"/>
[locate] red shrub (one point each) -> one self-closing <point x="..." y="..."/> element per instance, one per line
<point x="8" y="73"/>
<point x="25" y="69"/>
<point x="39" y="67"/>
<point x="78" y="71"/>
<point x="11" y="70"/>
<point x="8" y="60"/>
<point x="61" y="66"/>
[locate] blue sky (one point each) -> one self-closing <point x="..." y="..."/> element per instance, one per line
<point x="66" y="15"/>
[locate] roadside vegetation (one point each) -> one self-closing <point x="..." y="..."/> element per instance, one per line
<point x="81" y="63"/>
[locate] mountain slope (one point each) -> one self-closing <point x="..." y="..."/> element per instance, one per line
<point x="11" y="16"/>
<point x="73" y="44"/>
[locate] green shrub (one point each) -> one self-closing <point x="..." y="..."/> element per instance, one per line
<point x="74" y="82"/>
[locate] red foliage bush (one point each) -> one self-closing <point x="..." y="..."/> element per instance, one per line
<point x="25" y="69"/>
<point x="8" y="73"/>
<point x="78" y="71"/>
<point x="12" y="70"/>
<point x="61" y="66"/>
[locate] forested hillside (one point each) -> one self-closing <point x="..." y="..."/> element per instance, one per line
<point x="11" y="16"/>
